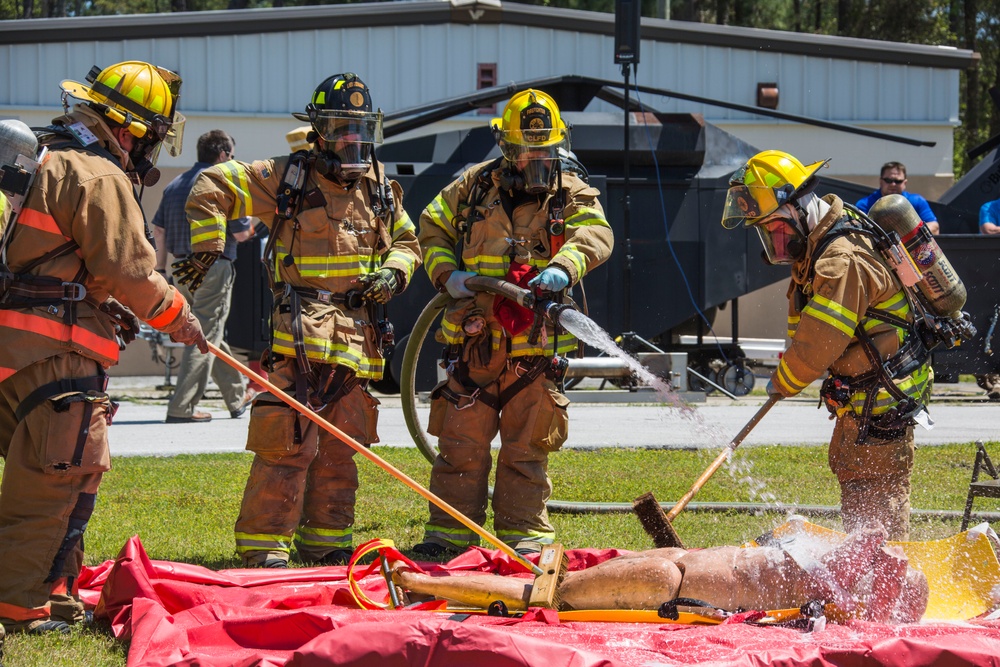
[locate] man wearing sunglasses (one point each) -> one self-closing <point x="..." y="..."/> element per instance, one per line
<point x="892" y="181"/>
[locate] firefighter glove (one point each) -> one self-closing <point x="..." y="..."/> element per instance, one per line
<point x="455" y="284"/>
<point x="190" y="334"/>
<point x="551" y="279"/>
<point x="771" y="391"/>
<point x="125" y="321"/>
<point x="191" y="270"/>
<point x="380" y="286"/>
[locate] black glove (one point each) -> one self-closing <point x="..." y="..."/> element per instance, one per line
<point x="126" y="323"/>
<point x="190" y="333"/>
<point x="380" y="286"/>
<point x="191" y="270"/>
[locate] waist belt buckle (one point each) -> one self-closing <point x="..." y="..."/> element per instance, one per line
<point x="73" y="292"/>
<point x="324" y="296"/>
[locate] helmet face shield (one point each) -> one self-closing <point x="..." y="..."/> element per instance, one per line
<point x="360" y="127"/>
<point x="350" y="136"/>
<point x="747" y="203"/>
<point x="782" y="240"/>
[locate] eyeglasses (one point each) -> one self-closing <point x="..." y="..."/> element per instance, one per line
<point x="894" y="181"/>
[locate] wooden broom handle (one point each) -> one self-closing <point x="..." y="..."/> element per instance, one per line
<point x="376" y="459"/>
<point x="721" y="458"/>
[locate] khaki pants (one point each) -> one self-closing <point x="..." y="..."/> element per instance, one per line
<point x="303" y="490"/>
<point x="54" y="464"/>
<point x="532" y="424"/>
<point x="210" y="304"/>
<point x="874" y="478"/>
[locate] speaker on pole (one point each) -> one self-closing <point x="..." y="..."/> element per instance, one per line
<point x="627" y="19"/>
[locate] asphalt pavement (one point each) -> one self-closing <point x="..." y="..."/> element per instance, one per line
<point x="961" y="414"/>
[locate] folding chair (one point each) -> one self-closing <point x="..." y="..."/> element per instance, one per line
<point x="986" y="489"/>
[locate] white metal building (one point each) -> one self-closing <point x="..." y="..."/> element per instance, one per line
<point x="245" y="70"/>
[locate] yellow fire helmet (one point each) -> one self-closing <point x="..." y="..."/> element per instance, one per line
<point x="767" y="181"/>
<point x="137" y="95"/>
<point x="530" y="119"/>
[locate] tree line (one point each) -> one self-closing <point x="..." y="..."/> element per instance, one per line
<point x="964" y="24"/>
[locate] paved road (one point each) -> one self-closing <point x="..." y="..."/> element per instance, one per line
<point x="139" y="427"/>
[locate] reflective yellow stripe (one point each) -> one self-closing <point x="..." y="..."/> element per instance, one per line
<point x="585" y="217"/>
<point x="439" y="214"/>
<point x="793" y="325"/>
<point x="404" y="258"/>
<point x="235" y="176"/>
<point x="915" y="386"/>
<point x="208" y="230"/>
<point x="570" y="253"/>
<point x="323" y="537"/>
<point x="402" y="226"/>
<point x="246" y="542"/>
<point x="512" y="537"/>
<point x="832" y="313"/>
<point x="327" y="351"/>
<point x="436" y="256"/>
<point x="787" y="379"/>
<point x="459" y="537"/>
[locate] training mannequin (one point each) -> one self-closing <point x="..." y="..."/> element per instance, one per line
<point x="863" y="577"/>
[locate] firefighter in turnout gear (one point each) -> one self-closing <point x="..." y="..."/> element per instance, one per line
<point x="523" y="219"/>
<point x="849" y="315"/>
<point x="77" y="275"/>
<point x="340" y="247"/>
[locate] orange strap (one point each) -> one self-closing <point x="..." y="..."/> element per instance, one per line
<point x="385" y="548"/>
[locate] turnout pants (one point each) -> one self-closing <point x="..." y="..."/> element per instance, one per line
<point x="874" y="478"/>
<point x="210" y="304"/>
<point x="533" y="423"/>
<point x="303" y="480"/>
<point x="55" y="455"/>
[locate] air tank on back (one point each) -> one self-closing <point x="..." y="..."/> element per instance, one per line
<point x="943" y="290"/>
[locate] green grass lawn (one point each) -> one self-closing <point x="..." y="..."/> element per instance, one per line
<point x="184" y="507"/>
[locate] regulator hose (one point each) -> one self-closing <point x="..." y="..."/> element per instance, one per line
<point x="421" y="439"/>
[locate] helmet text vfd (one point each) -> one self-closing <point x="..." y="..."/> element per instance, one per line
<point x="763" y="194"/>
<point x="142" y="98"/>
<point x="341" y="115"/>
<point x="530" y="133"/>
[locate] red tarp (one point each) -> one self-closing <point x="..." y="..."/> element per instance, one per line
<point x="180" y="614"/>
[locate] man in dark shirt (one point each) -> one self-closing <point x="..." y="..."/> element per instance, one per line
<point x="211" y="303"/>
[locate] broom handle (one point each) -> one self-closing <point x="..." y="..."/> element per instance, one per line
<point x="376" y="459"/>
<point x="721" y="458"/>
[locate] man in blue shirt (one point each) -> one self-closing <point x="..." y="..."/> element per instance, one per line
<point x="989" y="217"/>
<point x="989" y="223"/>
<point x="892" y="181"/>
<point x="210" y="303"/>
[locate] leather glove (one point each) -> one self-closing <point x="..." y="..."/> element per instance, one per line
<point x="455" y="284"/>
<point x="380" y="286"/>
<point x="191" y="270"/>
<point x="190" y="334"/>
<point x="126" y="323"/>
<point x="551" y="279"/>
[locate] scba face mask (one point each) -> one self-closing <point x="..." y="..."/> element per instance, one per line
<point x="782" y="237"/>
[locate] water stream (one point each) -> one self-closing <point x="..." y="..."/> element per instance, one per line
<point x="740" y="468"/>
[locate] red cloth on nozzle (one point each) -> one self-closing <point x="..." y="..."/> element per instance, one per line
<point x="513" y="317"/>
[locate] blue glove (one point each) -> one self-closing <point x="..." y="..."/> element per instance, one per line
<point x="456" y="284"/>
<point x="551" y="279"/>
<point x="771" y="391"/>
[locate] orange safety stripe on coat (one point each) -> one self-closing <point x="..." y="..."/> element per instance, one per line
<point x="15" y="613"/>
<point x="170" y="314"/>
<point x="40" y="221"/>
<point x="67" y="333"/>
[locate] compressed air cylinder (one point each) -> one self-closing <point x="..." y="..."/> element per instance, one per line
<point x="16" y="139"/>
<point x="943" y="291"/>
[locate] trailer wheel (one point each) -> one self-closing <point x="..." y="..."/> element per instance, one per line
<point x="736" y="378"/>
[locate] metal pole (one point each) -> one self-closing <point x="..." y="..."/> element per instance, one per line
<point x="626" y="205"/>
